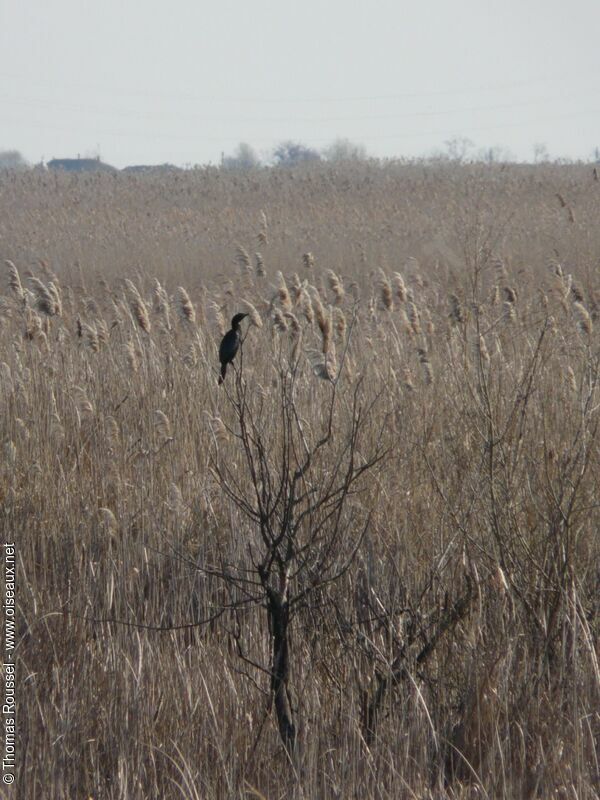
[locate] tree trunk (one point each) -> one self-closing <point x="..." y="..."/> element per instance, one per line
<point x="280" y="668"/>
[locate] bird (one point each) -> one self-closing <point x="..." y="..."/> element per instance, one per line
<point x="230" y="344"/>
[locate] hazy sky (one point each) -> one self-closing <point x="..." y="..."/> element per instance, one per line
<point x="143" y="81"/>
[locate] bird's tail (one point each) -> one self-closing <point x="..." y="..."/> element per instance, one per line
<point x="223" y="371"/>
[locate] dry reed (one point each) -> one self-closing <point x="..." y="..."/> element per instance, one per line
<point x="141" y="671"/>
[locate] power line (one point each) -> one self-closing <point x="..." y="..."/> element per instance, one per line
<point x="465" y="129"/>
<point x="296" y="100"/>
<point x="200" y="117"/>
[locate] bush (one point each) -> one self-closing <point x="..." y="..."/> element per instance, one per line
<point x="345" y="150"/>
<point x="245" y="157"/>
<point x="290" y="154"/>
<point x="12" y="159"/>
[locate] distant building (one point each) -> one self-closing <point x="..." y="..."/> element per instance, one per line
<point x="80" y="165"/>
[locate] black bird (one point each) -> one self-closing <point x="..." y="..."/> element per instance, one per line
<point x="230" y="344"/>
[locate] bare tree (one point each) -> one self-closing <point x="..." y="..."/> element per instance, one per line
<point x="458" y="148"/>
<point x="308" y="528"/>
<point x="290" y="154"/>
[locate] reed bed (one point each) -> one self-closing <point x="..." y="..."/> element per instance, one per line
<point x="457" y="654"/>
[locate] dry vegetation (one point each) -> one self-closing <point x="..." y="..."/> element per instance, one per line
<point x="368" y="565"/>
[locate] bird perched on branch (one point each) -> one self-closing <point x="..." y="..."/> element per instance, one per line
<point x="230" y="344"/>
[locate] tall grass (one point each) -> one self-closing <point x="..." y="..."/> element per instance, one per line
<point x="457" y="656"/>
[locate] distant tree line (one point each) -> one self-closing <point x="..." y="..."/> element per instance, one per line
<point x="291" y="153"/>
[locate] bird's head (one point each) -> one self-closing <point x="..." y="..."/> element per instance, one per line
<point x="235" y="322"/>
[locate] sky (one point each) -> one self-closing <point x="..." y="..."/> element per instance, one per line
<point x="184" y="81"/>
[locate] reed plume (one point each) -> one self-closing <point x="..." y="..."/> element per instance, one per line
<point x="297" y="287"/>
<point x="14" y="281"/>
<point x="322" y="364"/>
<point x="340" y="323"/>
<point x="294" y="325"/>
<point x="510" y="299"/>
<point x="279" y="323"/>
<point x="33" y="325"/>
<point x="306" y="306"/>
<point x="263" y="234"/>
<point x="54" y="291"/>
<point x="482" y="352"/>
<point x="584" y="321"/>
<point x="90" y="337"/>
<point x="45" y="300"/>
<point x="414" y="317"/>
<point x="131" y="356"/>
<point x="185" y="307"/>
<point x="253" y="314"/>
<point x="385" y="289"/>
<point x="102" y="331"/>
<point x="500" y="270"/>
<point x="260" y="265"/>
<point x="217" y="428"/>
<point x="456" y="314"/>
<point x="161" y="304"/>
<point x="407" y="381"/>
<point x="108" y="520"/>
<point x="162" y="425"/>
<point x="218" y="317"/>
<point x="400" y="287"/>
<point x="336" y="286"/>
<point x="112" y="433"/>
<point x="83" y="405"/>
<point x="138" y="307"/>
<point x="243" y="259"/>
<point x="323" y="320"/>
<point x="283" y="293"/>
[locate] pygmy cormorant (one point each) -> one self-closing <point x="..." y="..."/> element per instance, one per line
<point x="230" y="344"/>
